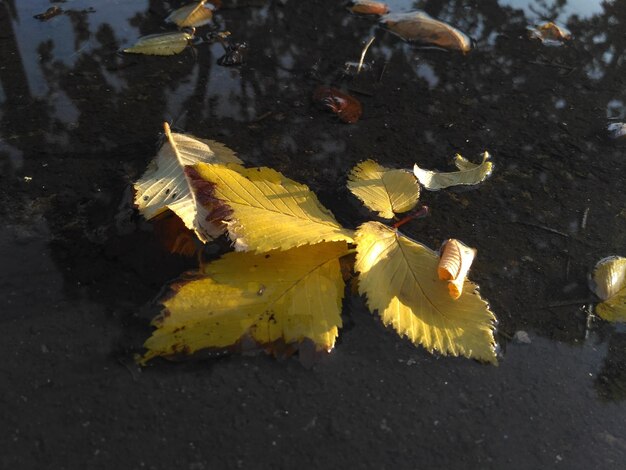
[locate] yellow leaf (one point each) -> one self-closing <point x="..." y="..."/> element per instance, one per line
<point x="469" y="174"/>
<point x="383" y="190"/>
<point x="289" y="295"/>
<point x="399" y="278"/>
<point x="268" y="210"/>
<point x="609" y="283"/>
<point x="420" y="27"/>
<point x="161" y="44"/>
<point x="192" y="15"/>
<point x="165" y="185"/>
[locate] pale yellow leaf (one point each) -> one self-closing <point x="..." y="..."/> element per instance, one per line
<point x="383" y="190"/>
<point x="192" y="15"/>
<point x="268" y="210"/>
<point x="165" y="184"/>
<point x="399" y="278"/>
<point x="420" y="27"/>
<point x="609" y="283"/>
<point x="289" y="295"/>
<point x="469" y="174"/>
<point x="161" y="44"/>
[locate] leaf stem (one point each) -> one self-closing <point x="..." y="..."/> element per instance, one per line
<point x="421" y="212"/>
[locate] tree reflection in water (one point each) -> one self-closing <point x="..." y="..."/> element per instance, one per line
<point x="84" y="124"/>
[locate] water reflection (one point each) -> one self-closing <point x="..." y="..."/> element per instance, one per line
<point x="71" y="103"/>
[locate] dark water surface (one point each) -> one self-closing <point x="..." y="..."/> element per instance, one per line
<point x="80" y="270"/>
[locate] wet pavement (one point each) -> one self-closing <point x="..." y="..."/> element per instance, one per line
<point x="81" y="271"/>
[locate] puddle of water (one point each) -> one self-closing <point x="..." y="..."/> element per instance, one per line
<point x="83" y="122"/>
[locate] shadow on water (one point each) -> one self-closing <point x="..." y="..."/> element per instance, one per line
<point x="79" y="122"/>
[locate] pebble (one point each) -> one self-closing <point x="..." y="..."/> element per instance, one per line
<point x="521" y="337"/>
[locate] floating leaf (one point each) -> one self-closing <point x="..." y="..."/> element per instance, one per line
<point x="468" y="174"/>
<point x="347" y="107"/>
<point x="456" y="259"/>
<point x="288" y="295"/>
<point x="549" y="33"/>
<point x="161" y="44"/>
<point x="269" y="211"/>
<point x="420" y="27"/>
<point x="399" y="278"/>
<point x="192" y="15"/>
<point x="49" y="13"/>
<point x="367" y="7"/>
<point x="164" y="184"/>
<point x="382" y="189"/>
<point x="609" y="283"/>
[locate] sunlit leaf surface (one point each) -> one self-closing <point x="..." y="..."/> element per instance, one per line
<point x="161" y="44"/>
<point x="456" y="259"/>
<point x="468" y="174"/>
<point x="289" y="295"/>
<point x="192" y="15"/>
<point x="399" y="278"/>
<point x="164" y="185"/>
<point x="268" y="210"/>
<point x="383" y="190"/>
<point x="609" y="283"/>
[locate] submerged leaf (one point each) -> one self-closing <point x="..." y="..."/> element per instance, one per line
<point x="368" y="7"/>
<point x="609" y="283"/>
<point x="288" y="295"/>
<point x="268" y="211"/>
<point x="399" y="278"/>
<point x="456" y="259"/>
<point x="192" y="15"/>
<point x="347" y="107"/>
<point x="382" y="189"/>
<point x="49" y="13"/>
<point x="164" y="184"/>
<point x="468" y="174"/>
<point x="174" y="235"/>
<point x="420" y="27"/>
<point x="161" y="44"/>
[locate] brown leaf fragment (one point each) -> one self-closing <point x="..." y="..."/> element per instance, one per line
<point x="49" y="13"/>
<point x="346" y="107"/>
<point x="367" y="7"/>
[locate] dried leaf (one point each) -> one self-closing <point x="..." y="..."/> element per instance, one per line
<point x="550" y="33"/>
<point x="49" y="13"/>
<point x="161" y="44"/>
<point x="383" y="190"/>
<point x="192" y="15"/>
<point x="468" y="174"/>
<point x="287" y="296"/>
<point x="347" y="107"/>
<point x="420" y="27"/>
<point x="367" y="7"/>
<point x="235" y="54"/>
<point x="175" y="237"/>
<point x="164" y="185"/>
<point x="609" y="283"/>
<point x="268" y="211"/>
<point x="399" y="278"/>
<point x="456" y="259"/>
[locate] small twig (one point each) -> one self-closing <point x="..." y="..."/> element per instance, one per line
<point x="261" y="117"/>
<point x="583" y="222"/>
<point x="543" y="227"/>
<point x="382" y="72"/>
<point x="552" y="64"/>
<point x="566" y="303"/>
<point x="367" y="46"/>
